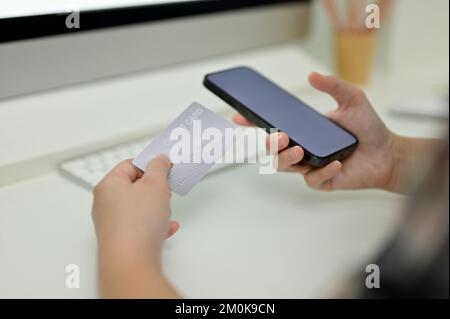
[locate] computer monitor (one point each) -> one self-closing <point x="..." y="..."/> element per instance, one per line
<point x="47" y="43"/>
<point x="25" y="19"/>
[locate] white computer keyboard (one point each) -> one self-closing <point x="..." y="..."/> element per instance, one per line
<point x="87" y="170"/>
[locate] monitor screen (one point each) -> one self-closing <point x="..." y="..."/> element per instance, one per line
<point x="23" y="8"/>
<point x="25" y="19"/>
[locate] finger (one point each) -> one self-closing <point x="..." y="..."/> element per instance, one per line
<point x="343" y="93"/>
<point x="334" y="115"/>
<point x="300" y="168"/>
<point x="173" y="228"/>
<point x="289" y="157"/>
<point x="315" y="178"/>
<point x="157" y="170"/>
<point x="239" y="119"/>
<point x="276" y="142"/>
<point x="126" y="171"/>
<point x="327" y="186"/>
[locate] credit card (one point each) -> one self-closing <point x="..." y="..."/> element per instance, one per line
<point x="194" y="141"/>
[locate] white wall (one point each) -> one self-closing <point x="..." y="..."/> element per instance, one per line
<point x="413" y="46"/>
<point x="419" y="41"/>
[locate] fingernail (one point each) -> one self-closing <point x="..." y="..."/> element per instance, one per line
<point x="293" y="152"/>
<point x="275" y="138"/>
<point x="165" y="158"/>
<point x="338" y="164"/>
<point x="162" y="156"/>
<point x="280" y="136"/>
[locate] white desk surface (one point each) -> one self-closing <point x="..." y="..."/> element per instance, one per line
<point x="242" y="234"/>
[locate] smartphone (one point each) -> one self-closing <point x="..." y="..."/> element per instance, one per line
<point x="269" y="106"/>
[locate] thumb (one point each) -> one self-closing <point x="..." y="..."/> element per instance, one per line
<point x="157" y="170"/>
<point x="343" y="93"/>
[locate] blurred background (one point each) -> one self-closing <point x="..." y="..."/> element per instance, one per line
<point x="86" y="84"/>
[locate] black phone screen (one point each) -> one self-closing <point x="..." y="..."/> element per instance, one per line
<point x="305" y="126"/>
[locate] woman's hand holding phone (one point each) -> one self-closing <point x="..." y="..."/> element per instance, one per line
<point x="374" y="162"/>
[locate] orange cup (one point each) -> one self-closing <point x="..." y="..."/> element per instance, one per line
<point x="355" y="52"/>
